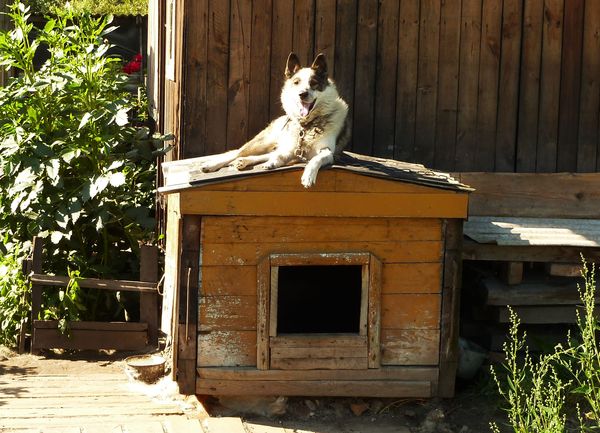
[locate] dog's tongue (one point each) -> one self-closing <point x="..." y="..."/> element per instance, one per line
<point x="305" y="108"/>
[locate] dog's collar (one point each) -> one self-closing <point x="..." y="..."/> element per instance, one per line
<point x="301" y="150"/>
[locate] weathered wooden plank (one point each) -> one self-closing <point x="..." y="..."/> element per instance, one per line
<point x="385" y="78"/>
<point x="282" y="23"/>
<point x="441" y="205"/>
<point x="83" y="339"/>
<point x="364" y="91"/>
<point x="193" y="121"/>
<point x="388" y="252"/>
<point x="329" y="180"/>
<point x="316" y="388"/>
<point x="345" y="52"/>
<point x="476" y="251"/>
<point x="557" y="195"/>
<point x="225" y="313"/>
<point x="508" y="86"/>
<point x="564" y="269"/>
<point x="406" y="89"/>
<point x="304" y="25"/>
<point x="263" y="293"/>
<point x="217" y="76"/>
<point x="468" y="89"/>
<point x="316" y="352"/>
<point x="325" y="28"/>
<point x="320" y="259"/>
<point x="531" y="293"/>
<point x="570" y="85"/>
<point x="447" y="108"/>
<point x="300" y="229"/>
<point x="319" y="363"/>
<point x="512" y="272"/>
<point x="410" y="311"/>
<point x="487" y="104"/>
<point x="149" y="300"/>
<point x="240" y="37"/>
<point x="94" y="326"/>
<point x="427" y="81"/>
<point x="228" y="280"/>
<point x="450" y="309"/>
<point x="410" y="346"/>
<point x="587" y="149"/>
<point x="374" y="302"/>
<point x="529" y="94"/>
<point x="318" y="340"/>
<point x="260" y="60"/>
<point x="541" y="314"/>
<point x="550" y="86"/>
<point x="95" y="283"/>
<point x="226" y="349"/>
<point x="411" y="278"/>
<point x="384" y="373"/>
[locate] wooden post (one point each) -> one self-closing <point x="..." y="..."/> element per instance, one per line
<point x="36" y="289"/>
<point x="187" y="335"/>
<point x="149" y="301"/>
<point x="450" y="308"/>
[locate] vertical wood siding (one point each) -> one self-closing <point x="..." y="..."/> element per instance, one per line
<point x="459" y="85"/>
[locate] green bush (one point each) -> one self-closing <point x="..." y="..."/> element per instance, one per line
<point x="15" y="298"/>
<point x="77" y="164"/>
<point x="94" y="7"/>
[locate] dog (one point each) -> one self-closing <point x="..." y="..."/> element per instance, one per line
<point x="314" y="128"/>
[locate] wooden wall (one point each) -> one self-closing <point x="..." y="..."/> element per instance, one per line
<point x="460" y="85"/>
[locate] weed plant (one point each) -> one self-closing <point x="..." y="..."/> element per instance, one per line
<point x="548" y="393"/>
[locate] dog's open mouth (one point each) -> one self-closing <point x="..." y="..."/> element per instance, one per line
<point x="306" y="107"/>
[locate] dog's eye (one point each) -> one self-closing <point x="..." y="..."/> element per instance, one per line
<point x="296" y="82"/>
<point x="313" y="83"/>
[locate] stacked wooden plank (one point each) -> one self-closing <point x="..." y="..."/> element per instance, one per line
<point x="536" y="228"/>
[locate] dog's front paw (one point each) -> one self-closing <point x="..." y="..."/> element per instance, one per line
<point x="309" y="178"/>
<point x="209" y="167"/>
<point x="241" y="163"/>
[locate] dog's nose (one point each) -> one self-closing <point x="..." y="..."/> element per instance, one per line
<point x="303" y="95"/>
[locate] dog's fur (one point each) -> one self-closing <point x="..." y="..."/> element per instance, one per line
<point x="314" y="128"/>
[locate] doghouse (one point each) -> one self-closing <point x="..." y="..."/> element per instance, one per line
<point x="347" y="289"/>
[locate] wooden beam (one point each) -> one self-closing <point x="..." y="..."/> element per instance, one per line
<point x="95" y="283"/>
<point x="149" y="299"/>
<point x="315" y="204"/>
<point x="526" y="253"/>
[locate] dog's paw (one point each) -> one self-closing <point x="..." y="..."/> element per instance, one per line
<point x="208" y="167"/>
<point x="309" y="178"/>
<point x="241" y="163"/>
<point x="270" y="165"/>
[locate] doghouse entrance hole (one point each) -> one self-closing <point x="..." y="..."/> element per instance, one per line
<point x="319" y="299"/>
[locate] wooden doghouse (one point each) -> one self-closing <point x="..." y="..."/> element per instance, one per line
<point x="349" y="288"/>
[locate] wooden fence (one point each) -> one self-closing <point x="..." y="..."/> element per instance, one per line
<point x="460" y="85"/>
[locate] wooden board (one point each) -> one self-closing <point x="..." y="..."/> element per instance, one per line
<point x="543" y="292"/>
<point x="541" y="315"/>
<point x="348" y="388"/>
<point x="226" y="349"/>
<point x="526" y="253"/>
<point x="411" y="278"/>
<point x="534" y="231"/>
<point x="410" y="346"/>
<point x="228" y="280"/>
<point x="90" y="336"/>
<point x="442" y="205"/>
<point x="408" y="311"/>
<point x="561" y="195"/>
<point x="227" y="313"/>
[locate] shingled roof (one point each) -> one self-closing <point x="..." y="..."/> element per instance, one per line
<point x="186" y="173"/>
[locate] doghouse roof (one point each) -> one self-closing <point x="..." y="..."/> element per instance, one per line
<point x="184" y="174"/>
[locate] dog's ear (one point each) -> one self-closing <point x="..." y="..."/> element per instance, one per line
<point x="293" y="65"/>
<point x="320" y="66"/>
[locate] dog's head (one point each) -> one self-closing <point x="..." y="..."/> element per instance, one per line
<point x="303" y="86"/>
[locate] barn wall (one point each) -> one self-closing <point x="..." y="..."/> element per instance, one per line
<point x="459" y="85"/>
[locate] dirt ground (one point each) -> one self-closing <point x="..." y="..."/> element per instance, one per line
<point x="470" y="411"/>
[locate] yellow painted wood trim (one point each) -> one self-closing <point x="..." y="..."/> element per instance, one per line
<point x="337" y="204"/>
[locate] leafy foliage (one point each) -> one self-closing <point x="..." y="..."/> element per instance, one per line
<point x="76" y="164"/>
<point x="536" y="390"/>
<point x="15" y="300"/>
<point x="94" y="7"/>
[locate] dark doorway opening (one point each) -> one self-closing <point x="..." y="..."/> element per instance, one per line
<point x="319" y="299"/>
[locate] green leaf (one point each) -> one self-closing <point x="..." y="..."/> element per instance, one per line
<point x="84" y="120"/>
<point x="117" y="179"/>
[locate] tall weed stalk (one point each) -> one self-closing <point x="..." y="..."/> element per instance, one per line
<point x="536" y="389"/>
